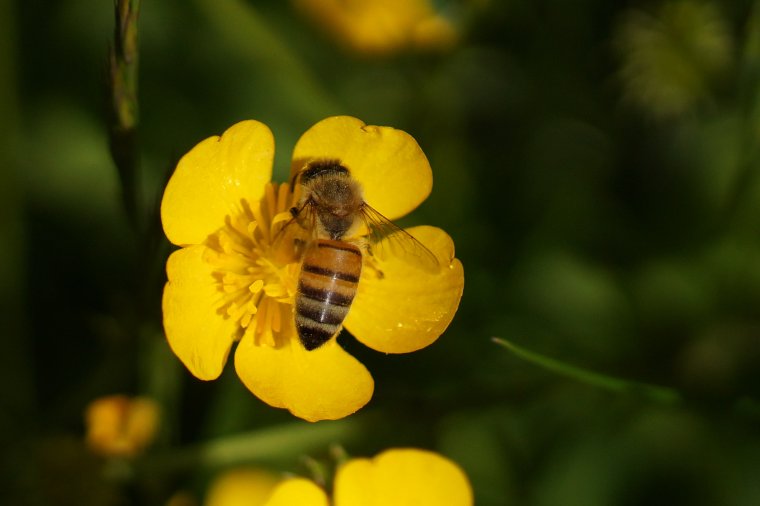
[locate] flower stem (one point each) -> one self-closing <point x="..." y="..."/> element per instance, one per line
<point x="124" y="117"/>
<point x="273" y="443"/>
<point x="747" y="105"/>
<point x="655" y="393"/>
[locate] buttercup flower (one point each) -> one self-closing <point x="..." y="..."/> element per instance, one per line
<point x="235" y="278"/>
<point x="120" y="426"/>
<point x="397" y="477"/>
<point x="381" y="26"/>
<point x="241" y="487"/>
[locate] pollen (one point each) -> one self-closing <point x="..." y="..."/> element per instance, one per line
<point x="253" y="268"/>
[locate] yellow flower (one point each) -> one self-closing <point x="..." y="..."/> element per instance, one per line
<point x="120" y="426"/>
<point x="396" y="477"/>
<point x="381" y="26"/>
<point x="241" y="487"/>
<point x="232" y="280"/>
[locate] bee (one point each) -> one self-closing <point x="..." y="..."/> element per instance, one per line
<point x="327" y="218"/>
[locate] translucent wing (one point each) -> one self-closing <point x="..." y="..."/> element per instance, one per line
<point x="387" y="240"/>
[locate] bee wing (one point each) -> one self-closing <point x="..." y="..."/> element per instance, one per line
<point x="387" y="240"/>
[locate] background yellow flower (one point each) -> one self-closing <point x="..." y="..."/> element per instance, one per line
<point x="398" y="477"/>
<point x="243" y="486"/>
<point x="121" y="426"/>
<point x="381" y="26"/>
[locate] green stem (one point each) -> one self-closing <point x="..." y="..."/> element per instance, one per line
<point x="124" y="117"/>
<point x="275" y="443"/>
<point x="655" y="393"/>
<point x="739" y="194"/>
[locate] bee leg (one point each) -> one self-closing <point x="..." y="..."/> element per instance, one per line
<point x="295" y="212"/>
<point x="299" y="246"/>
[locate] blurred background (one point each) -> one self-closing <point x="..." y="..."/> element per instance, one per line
<point x="596" y="163"/>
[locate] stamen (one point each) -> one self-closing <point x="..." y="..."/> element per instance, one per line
<point x="261" y="316"/>
<point x="283" y="198"/>
<point x="254" y="290"/>
<point x="256" y="286"/>
<point x="276" y="320"/>
<point x="259" y="217"/>
<point x="271" y="202"/>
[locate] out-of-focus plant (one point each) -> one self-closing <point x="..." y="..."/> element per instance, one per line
<point x="674" y="58"/>
<point x="124" y="110"/>
<point x="597" y="239"/>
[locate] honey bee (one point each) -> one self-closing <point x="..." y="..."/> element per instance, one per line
<point x="325" y="221"/>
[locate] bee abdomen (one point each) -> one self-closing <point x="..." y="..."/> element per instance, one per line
<point x="326" y="288"/>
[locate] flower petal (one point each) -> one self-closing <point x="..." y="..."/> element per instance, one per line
<point x="298" y="492"/>
<point x="402" y="477"/>
<point x="389" y="163"/>
<point x="212" y="179"/>
<point x="323" y="384"/>
<point x="408" y="308"/>
<point x="241" y="487"/>
<point x="199" y="335"/>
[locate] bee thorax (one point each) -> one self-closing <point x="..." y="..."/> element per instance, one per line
<point x="335" y="226"/>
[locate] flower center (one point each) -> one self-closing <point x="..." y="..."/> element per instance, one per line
<point x="255" y="268"/>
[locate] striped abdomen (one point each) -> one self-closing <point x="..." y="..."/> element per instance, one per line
<point x="326" y="287"/>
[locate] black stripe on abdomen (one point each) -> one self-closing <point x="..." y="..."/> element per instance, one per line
<point x="331" y="297"/>
<point x="317" y="318"/>
<point x="321" y="311"/>
<point x="330" y="273"/>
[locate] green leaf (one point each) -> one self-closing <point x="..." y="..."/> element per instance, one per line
<point x="285" y="441"/>
<point x="651" y="392"/>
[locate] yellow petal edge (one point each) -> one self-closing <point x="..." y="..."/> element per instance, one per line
<point x="298" y="492"/>
<point x="212" y="180"/>
<point x="402" y="477"/>
<point x="199" y="335"/>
